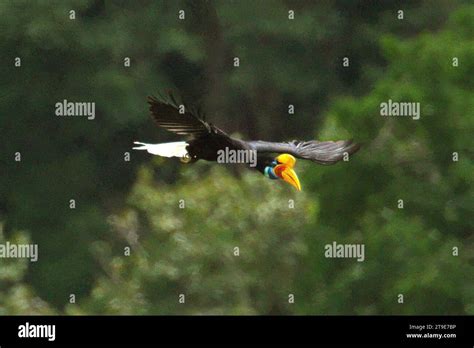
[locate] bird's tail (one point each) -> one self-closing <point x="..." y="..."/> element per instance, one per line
<point x="175" y="149"/>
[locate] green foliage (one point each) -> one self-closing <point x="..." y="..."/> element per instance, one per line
<point x="187" y="246"/>
<point x="16" y="296"/>
<point x="409" y="250"/>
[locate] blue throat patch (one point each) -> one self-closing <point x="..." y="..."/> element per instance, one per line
<point x="269" y="173"/>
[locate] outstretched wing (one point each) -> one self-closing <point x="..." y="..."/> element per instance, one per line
<point x="322" y="152"/>
<point x="165" y="110"/>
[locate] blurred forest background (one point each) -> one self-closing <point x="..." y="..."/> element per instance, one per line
<point x="135" y="204"/>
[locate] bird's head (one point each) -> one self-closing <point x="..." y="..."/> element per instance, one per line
<point x="282" y="167"/>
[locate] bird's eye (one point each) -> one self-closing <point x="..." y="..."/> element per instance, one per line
<point x="274" y="162"/>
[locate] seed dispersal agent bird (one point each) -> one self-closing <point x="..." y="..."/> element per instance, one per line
<point x="274" y="160"/>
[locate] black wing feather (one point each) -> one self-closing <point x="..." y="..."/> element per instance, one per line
<point x="165" y="112"/>
<point x="322" y="152"/>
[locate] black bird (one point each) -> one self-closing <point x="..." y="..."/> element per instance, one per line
<point x="210" y="143"/>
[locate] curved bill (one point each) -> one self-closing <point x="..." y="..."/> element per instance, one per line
<point x="290" y="177"/>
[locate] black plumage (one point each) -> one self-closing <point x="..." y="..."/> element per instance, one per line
<point x="207" y="139"/>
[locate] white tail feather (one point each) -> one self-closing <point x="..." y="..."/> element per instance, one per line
<point x="175" y="149"/>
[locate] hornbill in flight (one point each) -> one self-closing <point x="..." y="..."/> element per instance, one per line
<point x="274" y="160"/>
